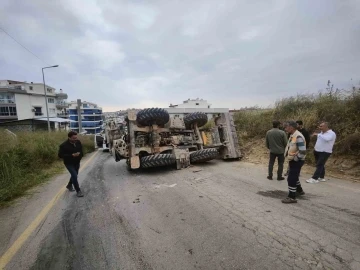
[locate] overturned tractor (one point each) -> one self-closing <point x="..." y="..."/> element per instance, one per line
<point x="153" y="139"/>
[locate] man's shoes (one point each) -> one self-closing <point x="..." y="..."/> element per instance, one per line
<point x="280" y="178"/>
<point x="312" y="181"/>
<point x="300" y="192"/>
<point x="289" y="200"/>
<point x="322" y="179"/>
<point x="270" y="178"/>
<point x="70" y="188"/>
<point x="80" y="194"/>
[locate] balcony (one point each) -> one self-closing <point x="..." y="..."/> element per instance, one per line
<point x="91" y="112"/>
<point x="61" y="104"/>
<point x="62" y="115"/>
<point x="85" y="118"/>
<point x="61" y="95"/>
<point x="7" y="101"/>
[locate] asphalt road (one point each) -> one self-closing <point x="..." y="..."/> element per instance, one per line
<point x="220" y="215"/>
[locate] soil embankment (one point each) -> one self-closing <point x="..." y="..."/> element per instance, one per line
<point x="339" y="166"/>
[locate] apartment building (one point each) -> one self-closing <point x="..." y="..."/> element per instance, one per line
<point x="91" y="117"/>
<point x="23" y="100"/>
<point x="194" y="105"/>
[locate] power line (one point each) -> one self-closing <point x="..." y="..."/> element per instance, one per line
<point x="23" y="46"/>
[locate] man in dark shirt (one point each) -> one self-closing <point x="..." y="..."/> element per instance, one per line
<point x="276" y="142"/>
<point x="304" y="132"/>
<point x="71" y="152"/>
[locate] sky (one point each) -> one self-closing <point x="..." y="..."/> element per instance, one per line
<point x="138" y="54"/>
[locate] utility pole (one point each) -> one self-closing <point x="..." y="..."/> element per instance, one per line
<point x="79" y="114"/>
<point x="46" y="100"/>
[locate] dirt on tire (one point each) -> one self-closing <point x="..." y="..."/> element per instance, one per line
<point x="151" y="116"/>
<point x="157" y="160"/>
<point x="197" y="117"/>
<point x="203" y="155"/>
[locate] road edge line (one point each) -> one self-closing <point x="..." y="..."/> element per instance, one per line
<point x="19" y="242"/>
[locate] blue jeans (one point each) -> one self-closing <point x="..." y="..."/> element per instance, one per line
<point x="74" y="171"/>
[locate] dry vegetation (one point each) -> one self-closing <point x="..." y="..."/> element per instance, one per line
<point x="340" y="108"/>
<point x="30" y="159"/>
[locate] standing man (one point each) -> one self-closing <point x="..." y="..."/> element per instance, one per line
<point x="304" y="132"/>
<point x="295" y="153"/>
<point x="71" y="152"/>
<point x="323" y="149"/>
<point x="276" y="142"/>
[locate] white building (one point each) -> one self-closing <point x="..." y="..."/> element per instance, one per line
<point x="192" y="103"/>
<point x="188" y="106"/>
<point x="22" y="100"/>
<point x="195" y="105"/>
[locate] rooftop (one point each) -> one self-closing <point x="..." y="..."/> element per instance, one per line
<point x="12" y="84"/>
<point x="189" y="102"/>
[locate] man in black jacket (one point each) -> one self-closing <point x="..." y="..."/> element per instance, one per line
<point x="71" y="152"/>
<point x="304" y="132"/>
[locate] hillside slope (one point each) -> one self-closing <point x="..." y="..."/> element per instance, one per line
<point x="340" y="108"/>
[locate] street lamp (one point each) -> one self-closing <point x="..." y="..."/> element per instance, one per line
<point x="46" y="101"/>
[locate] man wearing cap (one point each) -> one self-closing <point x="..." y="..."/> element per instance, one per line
<point x="295" y="152"/>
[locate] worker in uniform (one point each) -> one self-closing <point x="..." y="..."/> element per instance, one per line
<point x="295" y="153"/>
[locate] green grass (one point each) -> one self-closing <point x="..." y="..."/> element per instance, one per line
<point x="30" y="159"/>
<point x="338" y="107"/>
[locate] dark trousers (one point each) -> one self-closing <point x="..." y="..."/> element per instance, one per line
<point x="293" y="178"/>
<point x="74" y="171"/>
<point x="281" y="159"/>
<point x="320" y="158"/>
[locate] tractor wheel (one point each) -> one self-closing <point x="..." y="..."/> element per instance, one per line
<point x="203" y="155"/>
<point x="157" y="160"/>
<point x="152" y="116"/>
<point x="196" y="117"/>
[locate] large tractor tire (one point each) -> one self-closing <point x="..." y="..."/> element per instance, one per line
<point x="203" y="155"/>
<point x="152" y="116"/>
<point x="157" y="160"/>
<point x="197" y="117"/>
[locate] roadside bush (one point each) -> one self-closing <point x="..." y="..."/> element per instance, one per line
<point x="29" y="159"/>
<point x="253" y="124"/>
<point x="338" y="107"/>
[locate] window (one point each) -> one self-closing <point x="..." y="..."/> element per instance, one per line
<point x="12" y="111"/>
<point x="52" y="111"/>
<point x="31" y="88"/>
<point x="197" y="103"/>
<point x="8" y="111"/>
<point x="4" y="111"/>
<point x="37" y="111"/>
<point x="61" y="102"/>
<point x="85" y="105"/>
<point x="7" y="98"/>
<point x="51" y="100"/>
<point x="49" y="90"/>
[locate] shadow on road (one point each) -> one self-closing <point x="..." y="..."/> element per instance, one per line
<point x="280" y="194"/>
<point x="170" y="169"/>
